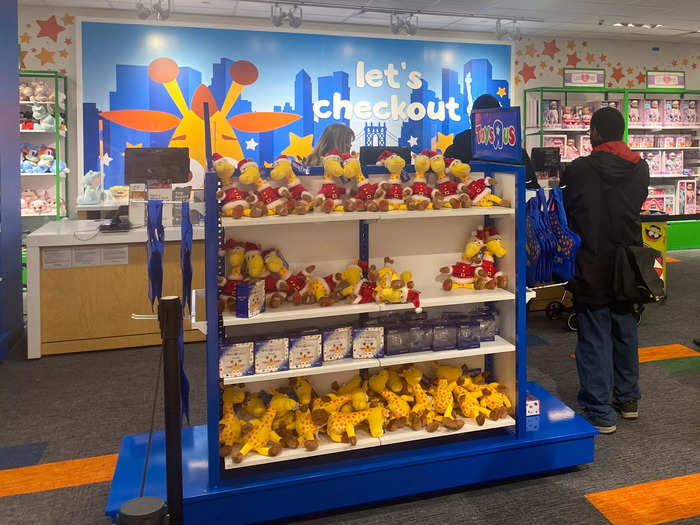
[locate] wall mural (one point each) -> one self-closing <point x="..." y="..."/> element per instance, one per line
<point x="46" y="43"/>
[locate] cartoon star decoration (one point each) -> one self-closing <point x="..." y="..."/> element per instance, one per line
<point x="551" y="49"/>
<point x="527" y="72"/>
<point x="501" y="92"/>
<point x="106" y="159"/>
<point x="251" y="144"/>
<point x="444" y="141"/>
<point x="49" y="28"/>
<point x="299" y="147"/>
<point x="45" y="56"/>
<point x="412" y="141"/>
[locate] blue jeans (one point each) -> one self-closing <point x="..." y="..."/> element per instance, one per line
<point x="607" y="361"/>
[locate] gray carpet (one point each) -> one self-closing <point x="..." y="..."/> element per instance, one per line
<point x="82" y="404"/>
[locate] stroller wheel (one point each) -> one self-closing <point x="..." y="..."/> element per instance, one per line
<point x="554" y="310"/>
<point x="571" y="322"/>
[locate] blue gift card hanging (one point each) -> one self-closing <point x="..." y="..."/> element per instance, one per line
<point x="156" y="236"/>
<point x="568" y="242"/>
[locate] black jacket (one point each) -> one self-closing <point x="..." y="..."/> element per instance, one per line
<point x="461" y="149"/>
<point x="603" y="198"/>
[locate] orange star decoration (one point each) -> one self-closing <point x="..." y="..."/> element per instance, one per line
<point x="551" y="49"/>
<point x="630" y="84"/>
<point x="299" y="147"/>
<point x="630" y="70"/>
<point x="571" y="44"/>
<point x="45" y="56"/>
<point x="67" y="19"/>
<point x="519" y="52"/>
<point x="572" y="60"/>
<point x="444" y="141"/>
<point x="560" y="71"/>
<point x="617" y="74"/>
<point x="543" y="64"/>
<point x="517" y="80"/>
<point x="530" y="51"/>
<point x="590" y="58"/>
<point x="527" y="72"/>
<point x="49" y="28"/>
<point x="501" y="92"/>
<point x="641" y="78"/>
<point x="685" y="61"/>
<point x="63" y="53"/>
<point x="25" y="37"/>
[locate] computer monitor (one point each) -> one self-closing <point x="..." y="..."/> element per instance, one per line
<point x="370" y="154"/>
<point x="142" y="165"/>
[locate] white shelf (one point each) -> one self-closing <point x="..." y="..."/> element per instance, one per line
<point x="670" y="176"/>
<point x="47" y="174"/>
<point x="498" y="346"/>
<point x="103" y="206"/>
<point x="49" y="214"/>
<point x="661" y="127"/>
<point x="328" y="367"/>
<point x="61" y="132"/>
<point x="318" y="217"/>
<point x="289" y="312"/>
<point x="536" y="131"/>
<point x="364" y="440"/>
<point x="30" y="103"/>
<point x="666" y="149"/>
<point x="326" y="446"/>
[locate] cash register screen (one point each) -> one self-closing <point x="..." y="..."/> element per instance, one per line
<point x="142" y="165"/>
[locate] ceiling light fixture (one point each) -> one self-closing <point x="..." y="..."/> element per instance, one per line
<point x="407" y="22"/>
<point x="638" y="25"/>
<point x="509" y="33"/>
<point x="279" y="15"/>
<point x="156" y="9"/>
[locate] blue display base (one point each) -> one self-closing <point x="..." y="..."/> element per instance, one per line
<point x="556" y="439"/>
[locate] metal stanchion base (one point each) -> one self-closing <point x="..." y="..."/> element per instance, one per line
<point x="143" y="511"/>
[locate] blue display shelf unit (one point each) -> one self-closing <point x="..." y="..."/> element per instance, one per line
<point x="401" y="463"/>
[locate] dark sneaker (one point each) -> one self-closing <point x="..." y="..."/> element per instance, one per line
<point x="606" y="429"/>
<point x="627" y="409"/>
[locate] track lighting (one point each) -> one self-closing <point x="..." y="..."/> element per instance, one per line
<point x="156" y="9"/>
<point x="407" y="22"/>
<point x="509" y="33"/>
<point x="633" y="25"/>
<point x="278" y="15"/>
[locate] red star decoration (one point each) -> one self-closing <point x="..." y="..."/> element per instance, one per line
<point x="551" y="49"/>
<point x="68" y="41"/>
<point x="49" y="28"/>
<point x="572" y="60"/>
<point x="674" y="62"/>
<point x="641" y="78"/>
<point x="559" y="61"/>
<point x="530" y="51"/>
<point x="527" y="72"/>
<point x="551" y="68"/>
<point x="603" y="58"/>
<point x="22" y="54"/>
<point x="617" y="74"/>
<point x="571" y="44"/>
<point x="609" y="84"/>
<point x="656" y="68"/>
<point x="33" y="50"/>
<point x="517" y="62"/>
<point x="584" y="43"/>
<point x="619" y="63"/>
<point x="62" y="70"/>
<point x="695" y="66"/>
<point x="590" y="58"/>
<point x="63" y="53"/>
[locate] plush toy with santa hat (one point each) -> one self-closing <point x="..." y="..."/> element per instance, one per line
<point x="422" y="196"/>
<point x="264" y="192"/>
<point x="234" y="201"/>
<point x="481" y="195"/>
<point x="294" y="191"/>
<point x="401" y="291"/>
<point x="330" y="196"/>
<point x="296" y="286"/>
<point x="234" y="252"/>
<point x="394" y="192"/>
<point x="452" y="193"/>
<point x="493" y="247"/>
<point x="323" y="289"/>
<point x="368" y="195"/>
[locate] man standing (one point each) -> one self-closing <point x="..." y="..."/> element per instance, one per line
<point x="603" y="198"/>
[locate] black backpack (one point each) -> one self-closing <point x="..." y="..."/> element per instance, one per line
<point x="634" y="279"/>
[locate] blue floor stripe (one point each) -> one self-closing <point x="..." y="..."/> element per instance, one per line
<point x="21" y="455"/>
<point x="534" y="340"/>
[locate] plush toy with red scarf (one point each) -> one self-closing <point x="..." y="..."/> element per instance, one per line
<point x="368" y="195"/>
<point x="423" y="196"/>
<point x="296" y="286"/>
<point x="451" y="192"/>
<point x="265" y="194"/>
<point x="394" y="192"/>
<point x="481" y="195"/>
<point x="294" y="191"/>
<point x="234" y="200"/>
<point x="330" y="196"/>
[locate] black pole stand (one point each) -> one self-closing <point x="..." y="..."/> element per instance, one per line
<point x="152" y="510"/>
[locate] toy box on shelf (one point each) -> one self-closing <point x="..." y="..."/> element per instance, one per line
<point x="43" y="160"/>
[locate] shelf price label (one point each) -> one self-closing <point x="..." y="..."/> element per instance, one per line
<point x="580" y="77"/>
<point x="496" y="135"/>
<point x="665" y="79"/>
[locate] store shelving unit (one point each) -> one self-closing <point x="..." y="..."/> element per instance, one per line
<point x="398" y="463"/>
<point x="55" y="137"/>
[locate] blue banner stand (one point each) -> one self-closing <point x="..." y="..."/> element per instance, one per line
<point x="556" y="439"/>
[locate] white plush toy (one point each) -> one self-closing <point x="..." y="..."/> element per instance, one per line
<point x="90" y="184"/>
<point x="44" y="120"/>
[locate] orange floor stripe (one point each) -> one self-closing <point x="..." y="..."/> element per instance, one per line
<point x="654" y="502"/>
<point x="672" y="259"/>
<point x="657" y="353"/>
<point x="52" y="476"/>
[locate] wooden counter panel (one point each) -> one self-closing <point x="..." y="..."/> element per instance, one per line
<point x="111" y="343"/>
<point x="108" y="295"/>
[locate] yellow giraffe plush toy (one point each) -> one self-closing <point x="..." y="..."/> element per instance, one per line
<point x="368" y="195"/>
<point x="265" y="195"/>
<point x="329" y="197"/>
<point x="261" y="433"/>
<point x="306" y="428"/>
<point x="469" y="404"/>
<point x="398" y="405"/>
<point x="442" y="394"/>
<point x="422" y="413"/>
<point x="341" y="426"/>
<point x="451" y="193"/>
<point x="495" y="400"/>
<point x="294" y="191"/>
<point x="234" y="202"/>
<point x="394" y="191"/>
<point x="230" y="427"/>
<point x="422" y="197"/>
<point x="302" y="389"/>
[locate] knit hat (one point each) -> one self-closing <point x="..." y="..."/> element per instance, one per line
<point x="449" y="161"/>
<point x="245" y="164"/>
<point x="427" y="153"/>
<point x="386" y="155"/>
<point x="283" y="158"/>
<point x="216" y="157"/>
<point x="332" y="154"/>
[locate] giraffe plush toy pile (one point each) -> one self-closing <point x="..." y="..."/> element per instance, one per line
<point x="444" y="398"/>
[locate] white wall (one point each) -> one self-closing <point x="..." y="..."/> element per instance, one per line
<point x="621" y="56"/>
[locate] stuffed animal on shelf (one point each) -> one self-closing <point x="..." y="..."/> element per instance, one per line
<point x="422" y="413"/>
<point x="422" y="196"/>
<point x="341" y="426"/>
<point x="230" y="427"/>
<point x="347" y="280"/>
<point x="401" y="291"/>
<point x="30" y="158"/>
<point x="469" y="406"/>
<point x="368" y="195"/>
<point x="394" y="192"/>
<point x="446" y="381"/>
<point x="493" y="247"/>
<point x="253" y="262"/>
<point x="294" y="191"/>
<point x="481" y="195"/>
<point x="452" y="194"/>
<point x="275" y="263"/>
<point x="296" y="286"/>
<point x="42" y="118"/>
<point x="235" y="257"/>
<point x="323" y="289"/>
<point x="463" y="273"/>
<point x="397" y="405"/>
<point x="234" y="200"/>
<point x="253" y="405"/>
<point x="261" y="433"/>
<point x="329" y="197"/>
<point x="302" y="389"/>
<point x="269" y="196"/>
<point x="46" y="160"/>
<point x="90" y="188"/>
<point x="306" y="428"/>
<point x="365" y="289"/>
<point x="496" y="401"/>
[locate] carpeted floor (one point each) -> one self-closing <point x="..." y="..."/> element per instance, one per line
<point x="78" y="406"/>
